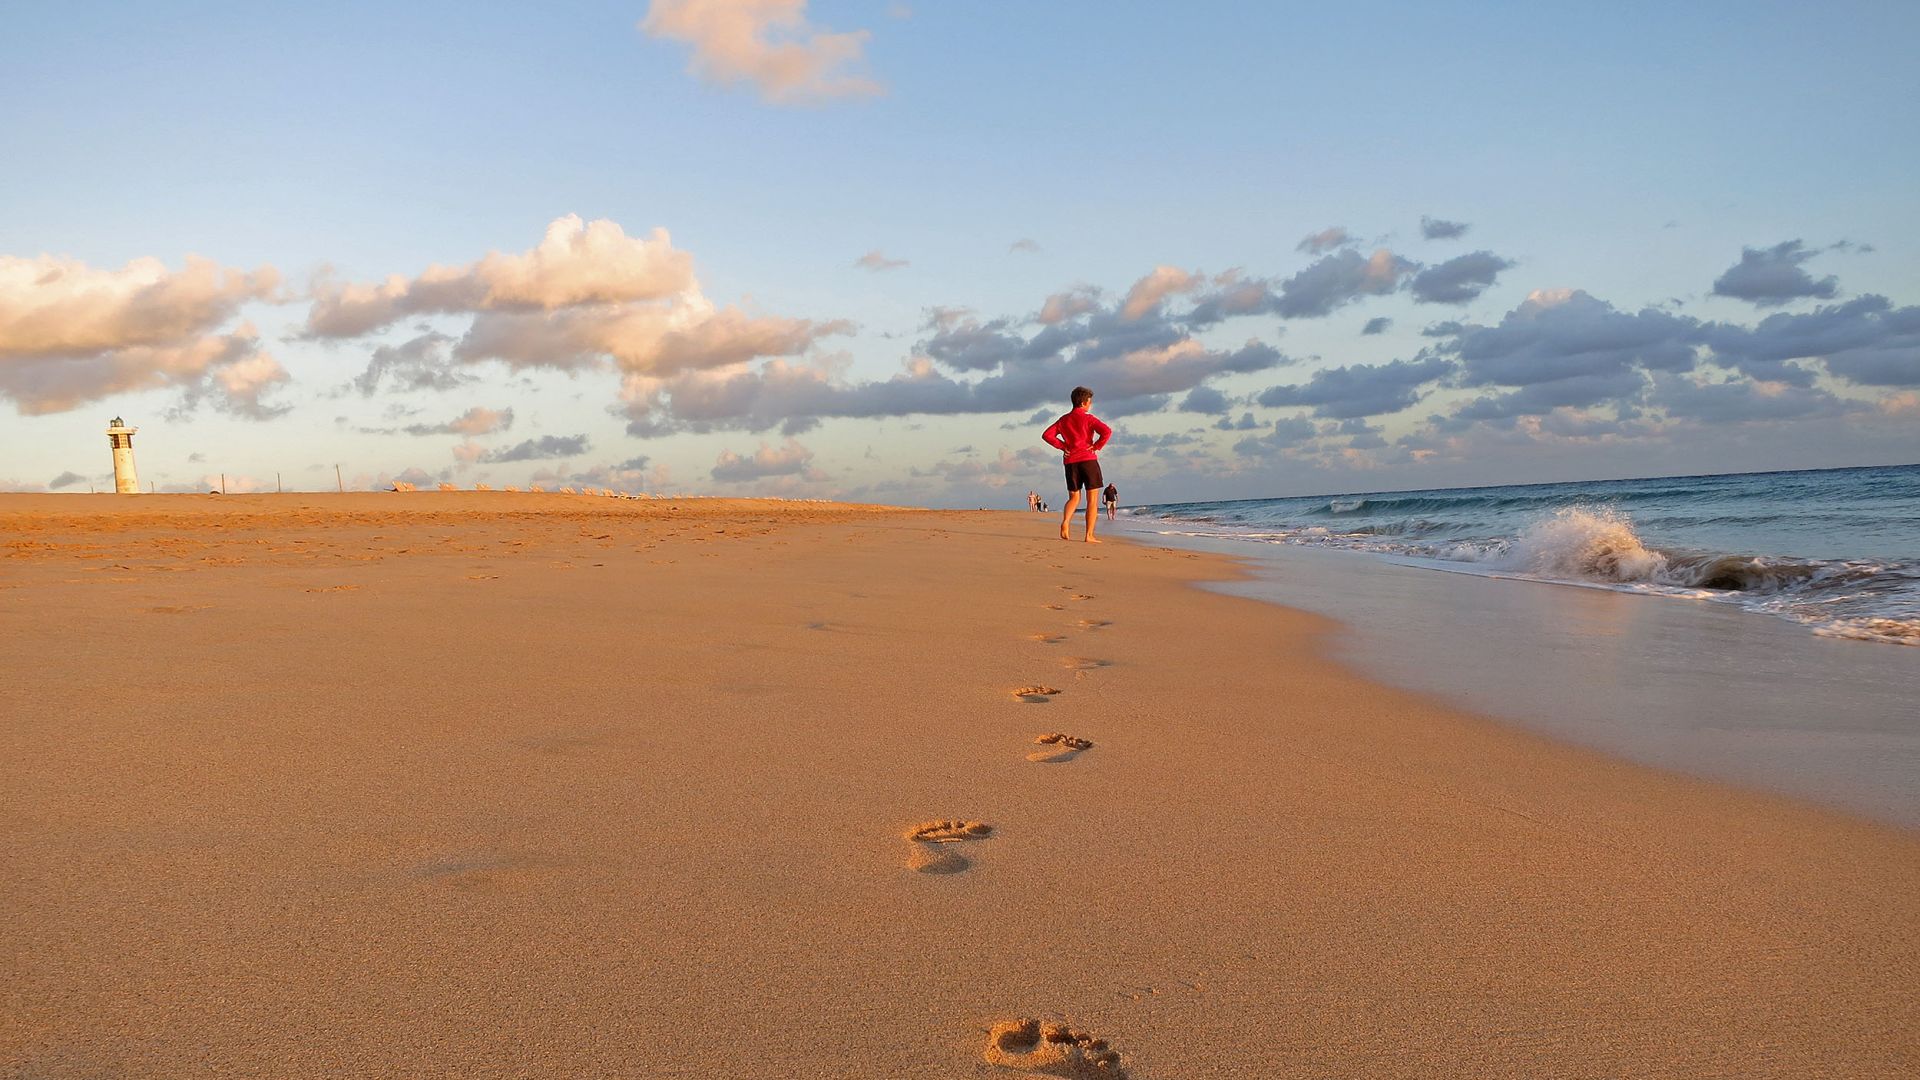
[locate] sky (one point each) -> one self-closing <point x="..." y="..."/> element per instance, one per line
<point x="865" y="250"/>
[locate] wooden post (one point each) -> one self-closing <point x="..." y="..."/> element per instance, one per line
<point x="223" y="483"/>
<point x="276" y="483"/>
<point x="338" y="483"/>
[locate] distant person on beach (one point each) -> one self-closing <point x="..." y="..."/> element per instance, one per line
<point x="1078" y="435"/>
<point x="1033" y="500"/>
<point x="1113" y="500"/>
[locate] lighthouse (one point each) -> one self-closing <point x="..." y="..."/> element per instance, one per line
<point x="120" y="437"/>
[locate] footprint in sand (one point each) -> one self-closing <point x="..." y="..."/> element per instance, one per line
<point x="1054" y="607"/>
<point x="1035" y="695"/>
<point x="1095" y="624"/>
<point x="182" y="610"/>
<point x="1048" y="639"/>
<point x="1052" y="1048"/>
<point x="1079" y="596"/>
<point x="1059" y="748"/>
<point x="335" y="588"/>
<point x="932" y="853"/>
<point x="1083" y="664"/>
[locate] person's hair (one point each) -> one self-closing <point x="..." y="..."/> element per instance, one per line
<point x="1081" y="395"/>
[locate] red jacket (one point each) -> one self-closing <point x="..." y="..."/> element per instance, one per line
<point x="1074" y="434"/>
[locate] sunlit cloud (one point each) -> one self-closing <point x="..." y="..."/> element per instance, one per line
<point x="71" y="333"/>
<point x="587" y="297"/>
<point x="766" y="44"/>
<point x="1147" y="293"/>
<point x="789" y="459"/>
<point x="576" y="263"/>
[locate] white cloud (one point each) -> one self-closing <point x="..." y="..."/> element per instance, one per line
<point x="71" y="333"/>
<point x="768" y="44"/>
<point x="576" y="263"/>
<point x="52" y="306"/>
<point x="245" y="379"/>
<point x="588" y="296"/>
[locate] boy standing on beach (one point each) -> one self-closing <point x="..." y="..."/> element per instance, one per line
<point x="1078" y="435"/>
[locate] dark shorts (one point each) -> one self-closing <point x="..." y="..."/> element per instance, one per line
<point x="1084" y="474"/>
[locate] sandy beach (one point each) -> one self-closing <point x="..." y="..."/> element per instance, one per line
<point x="489" y="784"/>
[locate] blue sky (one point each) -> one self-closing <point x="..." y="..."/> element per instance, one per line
<point x="1630" y="154"/>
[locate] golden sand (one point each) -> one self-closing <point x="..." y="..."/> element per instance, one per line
<point x="496" y="784"/>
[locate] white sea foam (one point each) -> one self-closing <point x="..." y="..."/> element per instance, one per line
<point x="1584" y="544"/>
<point x="1599" y="546"/>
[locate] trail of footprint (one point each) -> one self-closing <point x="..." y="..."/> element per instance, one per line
<point x="1035" y="695"/>
<point x="1052" y="1048"/>
<point x="1060" y="748"/>
<point x="930" y="839"/>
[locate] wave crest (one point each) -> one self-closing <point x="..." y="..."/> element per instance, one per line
<point x="1590" y="543"/>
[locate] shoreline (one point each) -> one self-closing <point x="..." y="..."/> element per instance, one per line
<point x="1701" y="689"/>
<point x="630" y="800"/>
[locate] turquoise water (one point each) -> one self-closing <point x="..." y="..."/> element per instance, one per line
<point x="1837" y="550"/>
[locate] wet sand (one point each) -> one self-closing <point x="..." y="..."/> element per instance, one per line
<point x="1698" y="687"/>
<point x="509" y="785"/>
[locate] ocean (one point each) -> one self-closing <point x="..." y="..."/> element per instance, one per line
<point x="1687" y="644"/>
<point x="1834" y="550"/>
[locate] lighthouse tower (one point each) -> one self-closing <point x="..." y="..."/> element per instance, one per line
<point x="120" y="436"/>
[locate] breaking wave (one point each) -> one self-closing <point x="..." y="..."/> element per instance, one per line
<point x="1597" y="543"/>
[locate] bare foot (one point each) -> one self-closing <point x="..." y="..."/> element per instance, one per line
<point x="1064" y="535"/>
<point x="1091" y="540"/>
